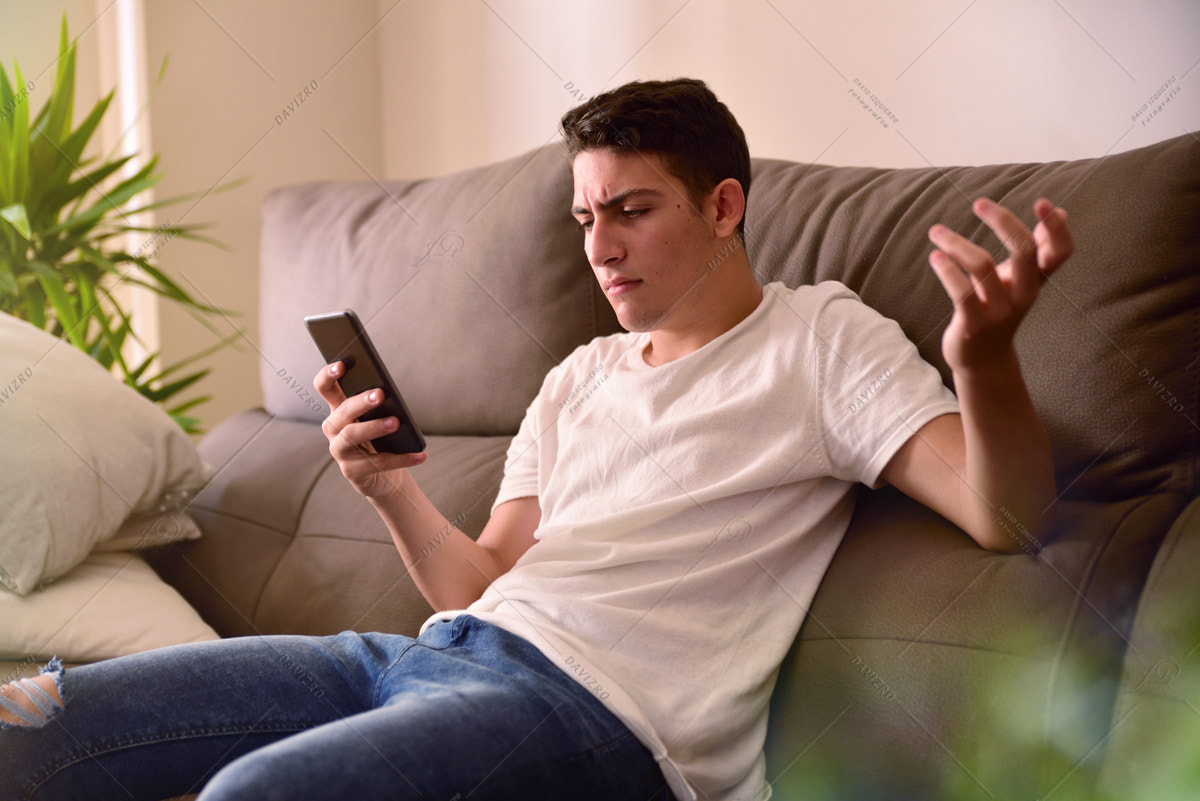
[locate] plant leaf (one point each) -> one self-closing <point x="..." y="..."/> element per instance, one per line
<point x="8" y="285"/>
<point x="59" y="191"/>
<point x="15" y="216"/>
<point x="189" y="404"/>
<point x="61" y="301"/>
<point x="18" y="143"/>
<point x="35" y="304"/>
<point x="160" y="394"/>
<point x="109" y="202"/>
<point x="61" y="107"/>
<point x="7" y="106"/>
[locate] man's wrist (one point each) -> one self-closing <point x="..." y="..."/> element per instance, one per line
<point x="1002" y="373"/>
<point x="399" y="493"/>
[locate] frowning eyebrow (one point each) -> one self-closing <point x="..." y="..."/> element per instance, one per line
<point x="618" y="200"/>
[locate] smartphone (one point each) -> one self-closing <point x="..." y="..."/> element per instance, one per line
<point x="340" y="337"/>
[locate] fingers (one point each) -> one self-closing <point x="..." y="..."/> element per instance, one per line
<point x="343" y="421"/>
<point x="372" y="473"/>
<point x="342" y="427"/>
<point x="345" y="430"/>
<point x="956" y="282"/>
<point x="345" y="411"/>
<point x="1032" y="256"/>
<point x="350" y="438"/>
<point x="1055" y="242"/>
<point x="326" y="384"/>
<point x="966" y="270"/>
<point x="1023" y="276"/>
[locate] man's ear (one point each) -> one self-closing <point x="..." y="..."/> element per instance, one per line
<point x="728" y="204"/>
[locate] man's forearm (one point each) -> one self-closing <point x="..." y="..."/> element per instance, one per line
<point x="1008" y="489"/>
<point x="449" y="568"/>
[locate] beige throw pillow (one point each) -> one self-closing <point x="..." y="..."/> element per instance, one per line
<point x="81" y="453"/>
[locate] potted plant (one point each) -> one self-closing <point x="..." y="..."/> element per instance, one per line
<point x="64" y="222"/>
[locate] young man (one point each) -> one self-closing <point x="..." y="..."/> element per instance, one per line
<point x="668" y="507"/>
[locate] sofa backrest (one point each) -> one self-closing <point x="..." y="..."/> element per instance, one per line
<point x="482" y="273"/>
<point x="1111" y="350"/>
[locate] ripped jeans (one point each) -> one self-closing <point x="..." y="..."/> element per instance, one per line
<point x="465" y="711"/>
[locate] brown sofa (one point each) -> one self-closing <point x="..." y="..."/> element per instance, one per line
<point x="927" y="668"/>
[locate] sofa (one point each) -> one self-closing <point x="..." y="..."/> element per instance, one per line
<point x="927" y="667"/>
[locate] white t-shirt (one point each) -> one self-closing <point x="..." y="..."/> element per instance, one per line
<point x="689" y="511"/>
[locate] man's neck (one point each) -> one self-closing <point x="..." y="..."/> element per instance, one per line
<point x="735" y="301"/>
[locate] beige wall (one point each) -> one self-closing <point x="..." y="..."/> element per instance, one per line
<point x="275" y="92"/>
<point x="29" y="36"/>
<point x="965" y="82"/>
<point x="424" y="87"/>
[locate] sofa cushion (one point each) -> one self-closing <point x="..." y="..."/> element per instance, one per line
<point x="921" y="653"/>
<point x="108" y="605"/>
<point x="472" y="286"/>
<point x="290" y="547"/>
<point x="1110" y="349"/>
<point x="83" y="454"/>
<point x="1153" y="751"/>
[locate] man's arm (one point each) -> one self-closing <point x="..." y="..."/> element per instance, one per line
<point x="989" y="470"/>
<point x="449" y="568"/>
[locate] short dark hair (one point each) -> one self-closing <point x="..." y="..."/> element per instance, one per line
<point x="681" y="120"/>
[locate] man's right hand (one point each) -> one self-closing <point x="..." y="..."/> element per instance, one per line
<point x="375" y="475"/>
<point x="449" y="568"/>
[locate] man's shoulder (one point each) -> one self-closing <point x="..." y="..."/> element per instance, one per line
<point x="605" y="348"/>
<point x="811" y="295"/>
<point x="827" y="302"/>
<point x="602" y="350"/>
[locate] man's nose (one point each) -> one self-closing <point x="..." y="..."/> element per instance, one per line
<point x="604" y="244"/>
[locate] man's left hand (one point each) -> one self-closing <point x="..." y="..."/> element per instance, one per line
<point x="990" y="300"/>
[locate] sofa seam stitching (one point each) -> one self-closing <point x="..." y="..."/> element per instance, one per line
<point x="295" y="533"/>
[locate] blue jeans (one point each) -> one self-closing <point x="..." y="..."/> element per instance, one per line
<point x="465" y="711"/>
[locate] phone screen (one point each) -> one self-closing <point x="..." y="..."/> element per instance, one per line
<point x="341" y="337"/>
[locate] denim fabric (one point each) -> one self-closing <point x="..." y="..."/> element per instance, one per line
<point x="465" y="711"/>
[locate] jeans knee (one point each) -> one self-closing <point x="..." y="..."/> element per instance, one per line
<point x="32" y="702"/>
<point x="247" y="778"/>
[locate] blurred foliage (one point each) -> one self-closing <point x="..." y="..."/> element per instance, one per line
<point x="1089" y="722"/>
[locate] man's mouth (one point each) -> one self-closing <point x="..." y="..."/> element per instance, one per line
<point x="619" y="286"/>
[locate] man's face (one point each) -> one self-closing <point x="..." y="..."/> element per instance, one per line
<point x="648" y="245"/>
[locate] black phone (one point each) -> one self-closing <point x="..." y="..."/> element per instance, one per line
<point x="341" y="337"/>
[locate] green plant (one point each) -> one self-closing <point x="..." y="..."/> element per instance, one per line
<point x="63" y="223"/>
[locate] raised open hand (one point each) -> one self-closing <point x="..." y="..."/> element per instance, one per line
<point x="990" y="300"/>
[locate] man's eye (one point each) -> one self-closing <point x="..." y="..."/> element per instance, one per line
<point x="586" y="224"/>
<point x="629" y="213"/>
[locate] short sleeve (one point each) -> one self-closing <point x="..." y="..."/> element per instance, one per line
<point x="522" y="460"/>
<point x="875" y="390"/>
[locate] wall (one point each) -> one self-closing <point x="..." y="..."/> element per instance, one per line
<point x="422" y="87"/>
<point x="945" y="81"/>
<point x="221" y="114"/>
<point x="29" y="36"/>
<point x="272" y="92"/>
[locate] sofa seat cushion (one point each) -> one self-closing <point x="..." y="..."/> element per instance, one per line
<point x="290" y="547"/>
